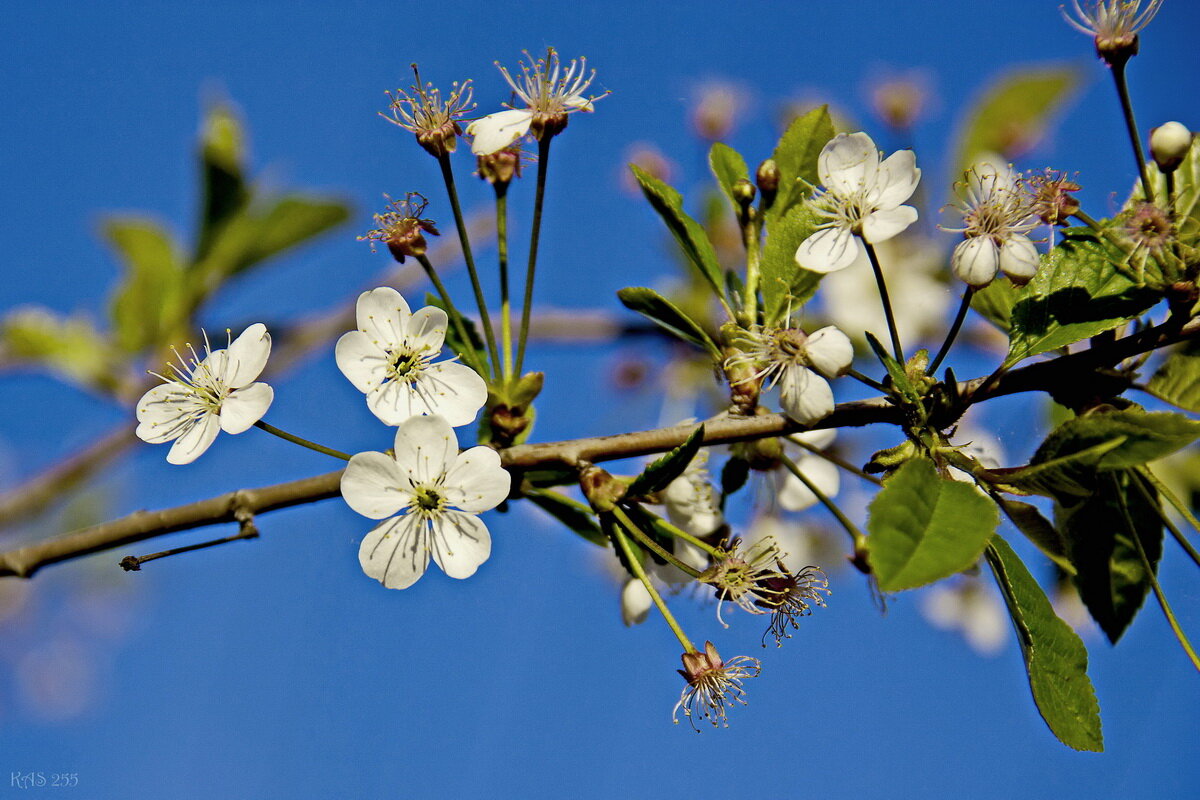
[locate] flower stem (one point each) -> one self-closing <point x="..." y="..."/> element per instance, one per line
<point x="750" y="302"/>
<point x="535" y="231"/>
<point x="680" y="533"/>
<point x="897" y="350"/>
<point x="484" y="316"/>
<point x="1146" y="476"/>
<point x="860" y="541"/>
<point x="968" y="293"/>
<point x="282" y="434"/>
<point x="505" y="304"/>
<point x="636" y="565"/>
<point x="1118" y="72"/>
<point x="858" y="376"/>
<point x="652" y="545"/>
<point x="456" y="319"/>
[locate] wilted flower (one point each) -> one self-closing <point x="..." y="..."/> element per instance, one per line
<point x="745" y="577"/>
<point x="713" y="685"/>
<point x="549" y="93"/>
<point x="1051" y="191"/>
<point x="715" y="111"/>
<point x="793" y="595"/>
<point x="438" y="490"/>
<point x="900" y="100"/>
<point x="207" y="395"/>
<point x="1113" y="24"/>
<point x="432" y="120"/>
<point x="402" y="228"/>
<point x="997" y="213"/>
<point x="390" y="359"/>
<point x="1151" y="233"/>
<point x="862" y="199"/>
<point x="799" y="362"/>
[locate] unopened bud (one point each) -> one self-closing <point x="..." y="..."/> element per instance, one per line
<point x="600" y="488"/>
<point x="500" y="167"/>
<point x="767" y="178"/>
<point x="743" y="192"/>
<point x="1169" y="145"/>
<point x="762" y="455"/>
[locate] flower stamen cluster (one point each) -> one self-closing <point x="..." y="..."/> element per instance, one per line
<point x="747" y="578"/>
<point x="1113" y="24"/>
<point x="791" y="597"/>
<point x="799" y="362"/>
<point x="401" y="228"/>
<point x="997" y="212"/>
<point x="713" y="685"/>
<point x="431" y="119"/>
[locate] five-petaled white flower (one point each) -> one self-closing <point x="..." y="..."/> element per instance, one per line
<point x="390" y="359"/>
<point x="997" y="212"/>
<point x="439" y="492"/>
<point x="549" y="93"/>
<point x="800" y="363"/>
<point x="862" y="200"/>
<point x="207" y="395"/>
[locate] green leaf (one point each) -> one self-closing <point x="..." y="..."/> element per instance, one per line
<point x="728" y="167"/>
<point x="1109" y="573"/>
<point x="150" y="301"/>
<point x="1029" y="520"/>
<point x="1187" y="192"/>
<point x="69" y="346"/>
<point x="1055" y="657"/>
<point x="734" y="475"/>
<point x="895" y="371"/>
<point x="1145" y="436"/>
<point x="924" y="527"/>
<point x="688" y="233"/>
<point x="1013" y="114"/>
<point x="668" y="467"/>
<point x="784" y="284"/>
<point x="667" y="315"/>
<point x="576" y="516"/>
<point x="796" y="156"/>
<point x="1072" y="474"/>
<point x="995" y="303"/>
<point x="1178" y="379"/>
<point x="1076" y="293"/>
<point x="222" y="164"/>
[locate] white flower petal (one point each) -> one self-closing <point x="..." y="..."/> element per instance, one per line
<point x="425" y="448"/>
<point x="829" y="250"/>
<point x="396" y="552"/>
<point x="805" y="396"/>
<point x="247" y="355"/>
<point x="245" y="406"/>
<point x="793" y="495"/>
<point x="879" y="226"/>
<point x="374" y="485"/>
<point x="452" y="390"/>
<point x="1019" y="259"/>
<point x="427" y="329"/>
<point x="976" y="260"/>
<point x="460" y="543"/>
<point x="830" y="351"/>
<point x="847" y="163"/>
<point x="820" y="439"/>
<point x="363" y="362"/>
<point x="164" y="411"/>
<point x="382" y="314"/>
<point x="395" y="402"/>
<point x="897" y="180"/>
<point x="477" y="482"/>
<point x="497" y="131"/>
<point x="635" y="603"/>
<point x="194" y="440"/>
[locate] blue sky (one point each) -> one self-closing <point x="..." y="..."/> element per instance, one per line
<point x="275" y="668"/>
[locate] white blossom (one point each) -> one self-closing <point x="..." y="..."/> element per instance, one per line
<point x="862" y="200"/>
<point x="799" y="363"/>
<point x="635" y="602"/>
<point x="391" y="356"/>
<point x="206" y="395"/>
<point x="437" y="492"/>
<point x="790" y="491"/>
<point x="969" y="607"/>
<point x="997" y="212"/>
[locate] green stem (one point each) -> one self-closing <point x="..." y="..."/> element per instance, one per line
<point x="636" y="565"/>
<point x="968" y="293"/>
<point x="1149" y="477"/>
<point x="680" y="533"/>
<point x="505" y="303"/>
<point x="835" y="460"/>
<point x="456" y="319"/>
<point x="860" y="541"/>
<point x="282" y="434"/>
<point x="750" y="302"/>
<point x="484" y="316"/>
<point x="1118" y="71"/>
<point x="1158" y="592"/>
<point x="652" y="545"/>
<point x="858" y="376"/>
<point x="897" y="350"/>
<point x="534" y="234"/>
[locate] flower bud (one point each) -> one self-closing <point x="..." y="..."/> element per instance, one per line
<point x="600" y="488"/>
<point x="743" y="192"/>
<point x="500" y="167"/>
<point x="767" y="177"/>
<point x="1169" y="145"/>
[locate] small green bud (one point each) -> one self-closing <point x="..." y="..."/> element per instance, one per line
<point x="767" y="177"/>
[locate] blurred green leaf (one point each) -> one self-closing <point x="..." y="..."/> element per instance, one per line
<point x="1012" y="115"/>
<point x="149" y="303"/>
<point x="688" y="233"/>
<point x="1072" y="474"/>
<point x="924" y="527"/>
<point x="667" y="467"/>
<point x="1177" y="380"/>
<point x="728" y="167"/>
<point x="995" y="303"/>
<point x="1144" y="436"/>
<point x="68" y="346"/>
<point x="784" y="284"/>
<point x="1029" y="520"/>
<point x="1055" y="658"/>
<point x="576" y="516"/>
<point x="796" y="156"/>
<point x="667" y="315"/>
<point x="222" y="164"/>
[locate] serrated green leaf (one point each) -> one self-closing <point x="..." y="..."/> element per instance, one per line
<point x="1029" y="520"/>
<point x="668" y="467"/>
<point x="1109" y="573"/>
<point x="667" y="315"/>
<point x="222" y="164"/>
<point x="1145" y="436"/>
<point x="784" y="283"/>
<point x="728" y="167"/>
<point x="68" y="346"/>
<point x="576" y="516"/>
<point x="1177" y="380"/>
<point x="1055" y="657"/>
<point x="1071" y="474"/>
<point x="150" y="301"/>
<point x="796" y="156"/>
<point x="1077" y="293"/>
<point x="924" y="527"/>
<point x="995" y="303"/>
<point x="688" y="233"/>
<point x="1013" y="114"/>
